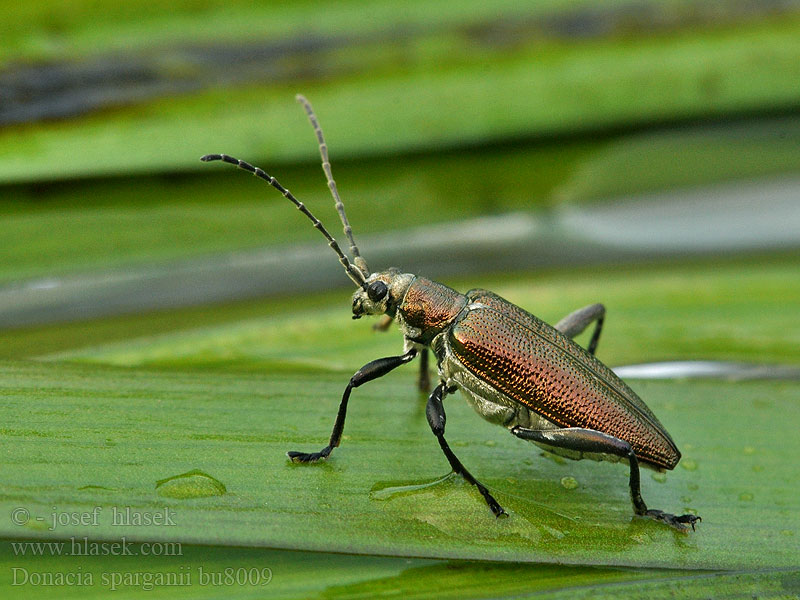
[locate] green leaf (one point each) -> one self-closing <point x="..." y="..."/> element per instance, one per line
<point x="80" y="436"/>
<point x="86" y="436"/>
<point x="205" y="572"/>
<point x="85" y="225"/>
<point x="654" y="313"/>
<point x="465" y="76"/>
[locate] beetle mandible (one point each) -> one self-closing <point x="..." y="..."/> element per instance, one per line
<point x="514" y="369"/>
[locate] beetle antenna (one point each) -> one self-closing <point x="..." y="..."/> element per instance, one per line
<point x="354" y="273"/>
<point x="326" y="167"/>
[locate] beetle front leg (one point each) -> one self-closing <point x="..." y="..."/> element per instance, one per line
<point x="589" y="440"/>
<point x="372" y="370"/>
<point x="424" y="381"/>
<point x="575" y="322"/>
<point x="436" y="418"/>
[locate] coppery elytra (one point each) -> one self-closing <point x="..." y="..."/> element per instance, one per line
<point x="514" y="369"/>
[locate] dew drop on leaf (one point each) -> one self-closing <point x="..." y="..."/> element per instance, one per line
<point x="192" y="484"/>
<point x="569" y="483"/>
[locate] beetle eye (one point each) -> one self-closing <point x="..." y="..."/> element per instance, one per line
<point x="377" y="290"/>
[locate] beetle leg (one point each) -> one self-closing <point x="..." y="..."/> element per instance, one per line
<point x="383" y="324"/>
<point x="424" y="381"/>
<point x="575" y="322"/>
<point x="589" y="440"/>
<point x="372" y="370"/>
<point x="436" y="418"/>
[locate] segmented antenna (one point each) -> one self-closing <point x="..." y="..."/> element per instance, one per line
<point x="354" y="273"/>
<point x="326" y="167"/>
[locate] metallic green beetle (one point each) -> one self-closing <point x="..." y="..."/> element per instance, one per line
<point x="514" y="369"/>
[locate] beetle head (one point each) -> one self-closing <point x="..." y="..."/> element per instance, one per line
<point x="381" y="294"/>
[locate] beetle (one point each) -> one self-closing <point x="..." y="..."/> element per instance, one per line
<point x="514" y="369"/>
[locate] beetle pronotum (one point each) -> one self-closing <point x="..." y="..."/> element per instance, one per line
<point x="514" y="369"/>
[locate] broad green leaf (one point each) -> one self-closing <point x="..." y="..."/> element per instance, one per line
<point x="116" y="433"/>
<point x="206" y="572"/>
<point x="91" y="224"/>
<point x="85" y="436"/>
<point x="459" y="580"/>
<point x="456" y="87"/>
<point x="92" y="25"/>
<point x="87" y="225"/>
<point x="738" y="310"/>
<point x="190" y="411"/>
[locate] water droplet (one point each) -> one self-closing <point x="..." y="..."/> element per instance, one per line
<point x="659" y="477"/>
<point x="387" y="492"/>
<point x="749" y="450"/>
<point x="490" y="443"/>
<point x="689" y="464"/>
<point x="569" y="483"/>
<point x="192" y="484"/>
<point x="745" y="496"/>
<point x="555" y="533"/>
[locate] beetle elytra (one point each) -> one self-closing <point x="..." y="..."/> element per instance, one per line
<point x="515" y="370"/>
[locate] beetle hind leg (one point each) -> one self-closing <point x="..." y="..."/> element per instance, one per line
<point x="596" y="442"/>
<point x="436" y="419"/>
<point x="575" y="322"/>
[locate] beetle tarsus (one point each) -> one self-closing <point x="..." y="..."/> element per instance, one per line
<point x="308" y="457"/>
<point x="494" y="506"/>
<point x="679" y="522"/>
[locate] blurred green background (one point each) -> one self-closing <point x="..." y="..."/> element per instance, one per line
<point x="160" y="315"/>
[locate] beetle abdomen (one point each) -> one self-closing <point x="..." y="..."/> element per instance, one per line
<point x="540" y="369"/>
